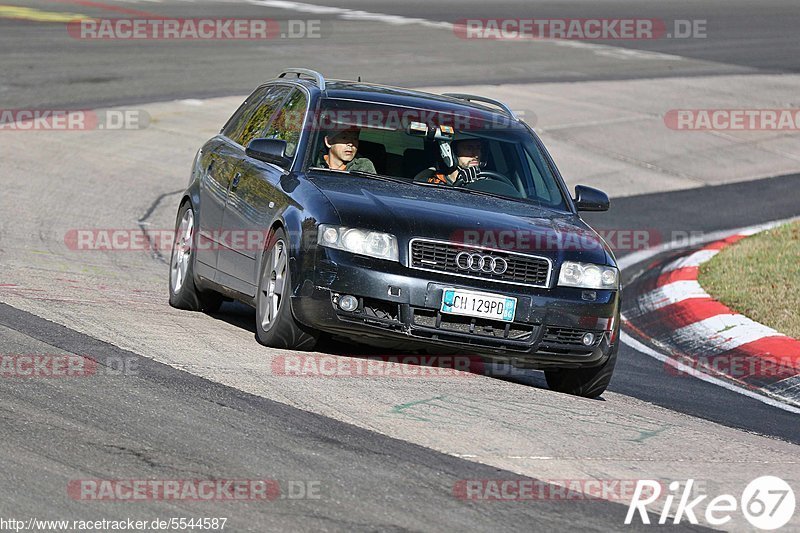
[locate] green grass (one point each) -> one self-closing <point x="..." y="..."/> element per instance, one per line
<point x="759" y="277"/>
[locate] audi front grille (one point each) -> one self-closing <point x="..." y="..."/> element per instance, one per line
<point x="480" y="263"/>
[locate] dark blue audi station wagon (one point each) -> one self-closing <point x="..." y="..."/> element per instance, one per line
<point x="398" y="219"/>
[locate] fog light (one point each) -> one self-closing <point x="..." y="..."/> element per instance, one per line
<point x="348" y="303"/>
<point x="588" y="339"/>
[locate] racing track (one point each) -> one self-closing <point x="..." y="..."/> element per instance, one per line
<point x="387" y="452"/>
<point x="82" y="428"/>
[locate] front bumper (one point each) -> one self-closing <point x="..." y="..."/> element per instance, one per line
<point x="400" y="306"/>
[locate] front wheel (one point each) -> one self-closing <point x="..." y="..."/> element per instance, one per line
<point x="275" y="324"/>
<point x="589" y="382"/>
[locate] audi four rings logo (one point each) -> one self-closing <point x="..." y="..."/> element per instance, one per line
<point x="481" y="263"/>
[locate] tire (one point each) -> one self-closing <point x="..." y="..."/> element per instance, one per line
<point x="183" y="292"/>
<point x="588" y="382"/>
<point x="276" y="327"/>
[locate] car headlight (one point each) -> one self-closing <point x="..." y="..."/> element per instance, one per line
<point x="588" y="276"/>
<point x="359" y="241"/>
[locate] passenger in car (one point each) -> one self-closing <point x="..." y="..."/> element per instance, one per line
<point x="468" y="161"/>
<point x="342" y="147"/>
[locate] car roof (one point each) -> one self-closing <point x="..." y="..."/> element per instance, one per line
<point x="385" y="94"/>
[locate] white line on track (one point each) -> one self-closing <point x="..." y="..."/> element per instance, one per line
<point x="399" y="20"/>
<point x="785" y="386"/>
<point x="638" y="346"/>
<point x="352" y="14"/>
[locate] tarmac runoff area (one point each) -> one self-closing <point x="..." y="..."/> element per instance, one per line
<point x="609" y="135"/>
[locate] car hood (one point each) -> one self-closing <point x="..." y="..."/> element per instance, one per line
<point x="408" y="211"/>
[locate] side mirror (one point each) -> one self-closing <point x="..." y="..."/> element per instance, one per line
<point x="269" y="151"/>
<point x="589" y="199"/>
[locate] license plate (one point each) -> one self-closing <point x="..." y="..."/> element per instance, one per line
<point x="479" y="304"/>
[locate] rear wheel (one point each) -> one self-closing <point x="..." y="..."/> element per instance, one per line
<point x="183" y="292"/>
<point x="275" y="324"/>
<point x="589" y="382"/>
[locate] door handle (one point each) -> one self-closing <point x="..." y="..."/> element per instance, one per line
<point x="235" y="182"/>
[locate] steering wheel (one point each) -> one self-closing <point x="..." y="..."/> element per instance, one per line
<point x="497" y="176"/>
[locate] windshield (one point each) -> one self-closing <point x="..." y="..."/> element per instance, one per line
<point x="432" y="148"/>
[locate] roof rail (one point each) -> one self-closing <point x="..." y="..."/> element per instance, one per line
<point x="308" y="72"/>
<point x="473" y="98"/>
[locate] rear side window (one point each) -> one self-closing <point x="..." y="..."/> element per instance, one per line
<point x="251" y="119"/>
<point x="289" y="123"/>
<point x="235" y="125"/>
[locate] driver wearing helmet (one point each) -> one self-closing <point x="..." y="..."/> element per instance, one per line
<point x="468" y="160"/>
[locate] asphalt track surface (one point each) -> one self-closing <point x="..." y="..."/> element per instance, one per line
<point x="208" y="431"/>
<point x="44" y="66"/>
<point x="193" y="427"/>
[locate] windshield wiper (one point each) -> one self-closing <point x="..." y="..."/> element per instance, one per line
<point x="365" y="174"/>
<point x="471" y="191"/>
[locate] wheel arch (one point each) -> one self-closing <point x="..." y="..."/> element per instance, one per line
<point x="292" y="223"/>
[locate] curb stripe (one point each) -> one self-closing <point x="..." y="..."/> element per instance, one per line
<point x="775" y="346"/>
<point x="733" y="239"/>
<point x="670" y="294"/>
<point x="721" y="333"/>
<point x="680" y="274"/>
<point x="690" y="311"/>
<point x="744" y="356"/>
<point x="676" y="313"/>
<point x="693" y="260"/>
